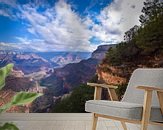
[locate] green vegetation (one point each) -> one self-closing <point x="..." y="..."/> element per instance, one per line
<point x="150" y="37"/>
<point x="76" y="101"/>
<point x="4" y="72"/>
<point x="8" y="126"/>
<point x="124" y="51"/>
<point x="21" y="98"/>
<point x="141" y="41"/>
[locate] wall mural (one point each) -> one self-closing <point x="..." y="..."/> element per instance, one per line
<point x="57" y="46"/>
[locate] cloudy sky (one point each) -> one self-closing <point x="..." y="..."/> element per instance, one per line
<point x="66" y="25"/>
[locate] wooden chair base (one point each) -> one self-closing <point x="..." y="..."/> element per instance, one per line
<point x="123" y="121"/>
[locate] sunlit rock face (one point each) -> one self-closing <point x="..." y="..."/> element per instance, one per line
<point x="120" y="74"/>
<point x="111" y="78"/>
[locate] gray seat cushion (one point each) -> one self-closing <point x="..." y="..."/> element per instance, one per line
<point x="131" y="111"/>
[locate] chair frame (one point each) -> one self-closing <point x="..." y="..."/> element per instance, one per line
<point x="145" y="121"/>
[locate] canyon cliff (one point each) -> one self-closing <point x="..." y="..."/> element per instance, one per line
<point x="64" y="79"/>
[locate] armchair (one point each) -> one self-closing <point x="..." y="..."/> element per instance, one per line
<point x="138" y="107"/>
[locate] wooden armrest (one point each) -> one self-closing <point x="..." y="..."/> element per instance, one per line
<point x="150" y="88"/>
<point x="102" y="85"/>
<point x="98" y="89"/>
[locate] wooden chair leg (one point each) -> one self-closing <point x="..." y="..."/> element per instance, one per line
<point x="160" y="98"/>
<point x="114" y="97"/>
<point x="146" y="110"/>
<point x="94" y="122"/>
<point x="124" y="125"/>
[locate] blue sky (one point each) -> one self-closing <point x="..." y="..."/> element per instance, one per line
<point x="65" y="25"/>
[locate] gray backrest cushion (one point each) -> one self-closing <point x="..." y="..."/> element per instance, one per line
<point x="143" y="77"/>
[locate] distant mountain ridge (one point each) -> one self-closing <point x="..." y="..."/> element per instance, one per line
<point x="30" y="62"/>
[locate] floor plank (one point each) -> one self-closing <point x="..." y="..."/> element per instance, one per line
<point x="57" y="121"/>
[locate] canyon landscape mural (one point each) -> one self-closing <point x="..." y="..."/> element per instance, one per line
<point x="57" y="46"/>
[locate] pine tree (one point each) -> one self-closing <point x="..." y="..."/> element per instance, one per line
<point x="152" y="10"/>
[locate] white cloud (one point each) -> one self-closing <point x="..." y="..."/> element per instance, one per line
<point x="11" y="3"/>
<point x="59" y="26"/>
<point x="116" y="19"/>
<point x="33" y="44"/>
<point x="7" y="9"/>
<point x="4" y="13"/>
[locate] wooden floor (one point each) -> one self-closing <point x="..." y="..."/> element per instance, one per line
<point x="57" y="121"/>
